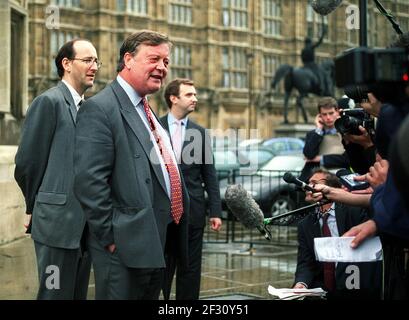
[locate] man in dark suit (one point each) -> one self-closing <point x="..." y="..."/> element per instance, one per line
<point x="193" y="150"/>
<point x="332" y="220"/>
<point x="127" y="178"/>
<point x="44" y="171"/>
<point x="323" y="145"/>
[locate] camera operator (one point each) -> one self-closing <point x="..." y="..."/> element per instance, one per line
<point x="323" y="146"/>
<point x="359" y="146"/>
<point x="390" y="215"/>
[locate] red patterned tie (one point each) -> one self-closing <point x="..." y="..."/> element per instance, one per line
<point x="176" y="197"/>
<point x="329" y="267"/>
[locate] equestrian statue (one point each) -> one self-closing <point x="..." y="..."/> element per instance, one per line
<point x="311" y="78"/>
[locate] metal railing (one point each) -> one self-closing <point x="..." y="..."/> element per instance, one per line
<point x="274" y="197"/>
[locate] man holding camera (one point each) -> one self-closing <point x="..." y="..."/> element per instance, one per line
<point x="323" y="146"/>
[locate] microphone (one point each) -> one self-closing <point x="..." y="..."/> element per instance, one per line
<point x="245" y="209"/>
<point x="289" y="178"/>
<point x="324" y="7"/>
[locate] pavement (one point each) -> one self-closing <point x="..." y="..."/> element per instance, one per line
<point x="230" y="271"/>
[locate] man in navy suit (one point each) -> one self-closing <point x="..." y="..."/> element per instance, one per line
<point x="332" y="220"/>
<point x="45" y="169"/>
<point x="193" y="151"/>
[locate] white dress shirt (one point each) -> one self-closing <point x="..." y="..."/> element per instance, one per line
<point x="137" y="102"/>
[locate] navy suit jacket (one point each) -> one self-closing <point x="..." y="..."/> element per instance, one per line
<point x="199" y="174"/>
<point x="311" y="272"/>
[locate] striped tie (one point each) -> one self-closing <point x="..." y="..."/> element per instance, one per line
<point x="176" y="197"/>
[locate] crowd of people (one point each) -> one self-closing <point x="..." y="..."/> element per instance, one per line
<point x="107" y="182"/>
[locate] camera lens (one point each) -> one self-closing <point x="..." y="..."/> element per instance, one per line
<point x="348" y="124"/>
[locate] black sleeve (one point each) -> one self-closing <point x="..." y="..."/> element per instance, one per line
<point x="312" y="144"/>
<point x="305" y="259"/>
<point x="360" y="159"/>
<point x="209" y="175"/>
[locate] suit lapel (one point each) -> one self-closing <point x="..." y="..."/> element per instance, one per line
<point x="341" y="219"/>
<point x="138" y="127"/>
<point x="69" y="101"/>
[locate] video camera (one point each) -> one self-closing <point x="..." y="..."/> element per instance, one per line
<point x="380" y="71"/>
<point x="351" y="119"/>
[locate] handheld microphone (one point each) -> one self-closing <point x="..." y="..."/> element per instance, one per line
<point x="289" y="178"/>
<point x="245" y="209"/>
<point x="324" y="7"/>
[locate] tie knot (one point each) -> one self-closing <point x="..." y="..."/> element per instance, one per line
<point x="178" y="122"/>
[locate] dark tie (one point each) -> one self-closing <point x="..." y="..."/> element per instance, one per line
<point x="329" y="267"/>
<point x="176" y="197"/>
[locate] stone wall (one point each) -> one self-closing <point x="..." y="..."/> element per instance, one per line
<point x="12" y="207"/>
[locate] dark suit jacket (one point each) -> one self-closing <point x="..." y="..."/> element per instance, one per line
<point x="311" y="149"/>
<point x="200" y="171"/>
<point x="119" y="181"/>
<point x="311" y="272"/>
<point x="45" y="170"/>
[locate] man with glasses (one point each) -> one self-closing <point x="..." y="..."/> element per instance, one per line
<point x="332" y="220"/>
<point x="45" y="173"/>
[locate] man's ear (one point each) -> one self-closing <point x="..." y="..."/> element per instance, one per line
<point x="127" y="60"/>
<point x="173" y="99"/>
<point x="66" y="64"/>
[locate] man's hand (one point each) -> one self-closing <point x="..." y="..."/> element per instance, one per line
<point x="318" y="122"/>
<point x="111" y="248"/>
<point x="299" y="285"/>
<point x="361" y="232"/>
<point x="315" y="159"/>
<point x="363" y="140"/>
<point x="215" y="223"/>
<point x="27" y="220"/>
<point x="377" y="173"/>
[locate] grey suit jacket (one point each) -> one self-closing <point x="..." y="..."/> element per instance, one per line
<point x="200" y="170"/>
<point x="45" y="169"/>
<point x="119" y="181"/>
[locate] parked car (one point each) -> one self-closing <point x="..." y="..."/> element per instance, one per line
<point x="267" y="187"/>
<point x="284" y="145"/>
<point x="227" y="161"/>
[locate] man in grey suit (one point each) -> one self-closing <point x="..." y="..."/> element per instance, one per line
<point x="127" y="179"/>
<point x="45" y="170"/>
<point x="193" y="150"/>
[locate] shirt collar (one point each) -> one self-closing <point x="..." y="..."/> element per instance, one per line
<point x="132" y="94"/>
<point x="172" y="119"/>
<point x="330" y="211"/>
<point x="330" y="131"/>
<point x="75" y="95"/>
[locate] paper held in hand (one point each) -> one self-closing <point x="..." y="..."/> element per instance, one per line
<point x="338" y="249"/>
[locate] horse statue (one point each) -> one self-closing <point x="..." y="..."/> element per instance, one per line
<point x="311" y="78"/>
<point x="305" y="81"/>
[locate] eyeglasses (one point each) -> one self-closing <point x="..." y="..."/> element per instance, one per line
<point x="90" y="61"/>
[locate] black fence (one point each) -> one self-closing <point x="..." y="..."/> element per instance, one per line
<point x="272" y="194"/>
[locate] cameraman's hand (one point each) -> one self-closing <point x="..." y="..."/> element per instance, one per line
<point x="363" y="140"/>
